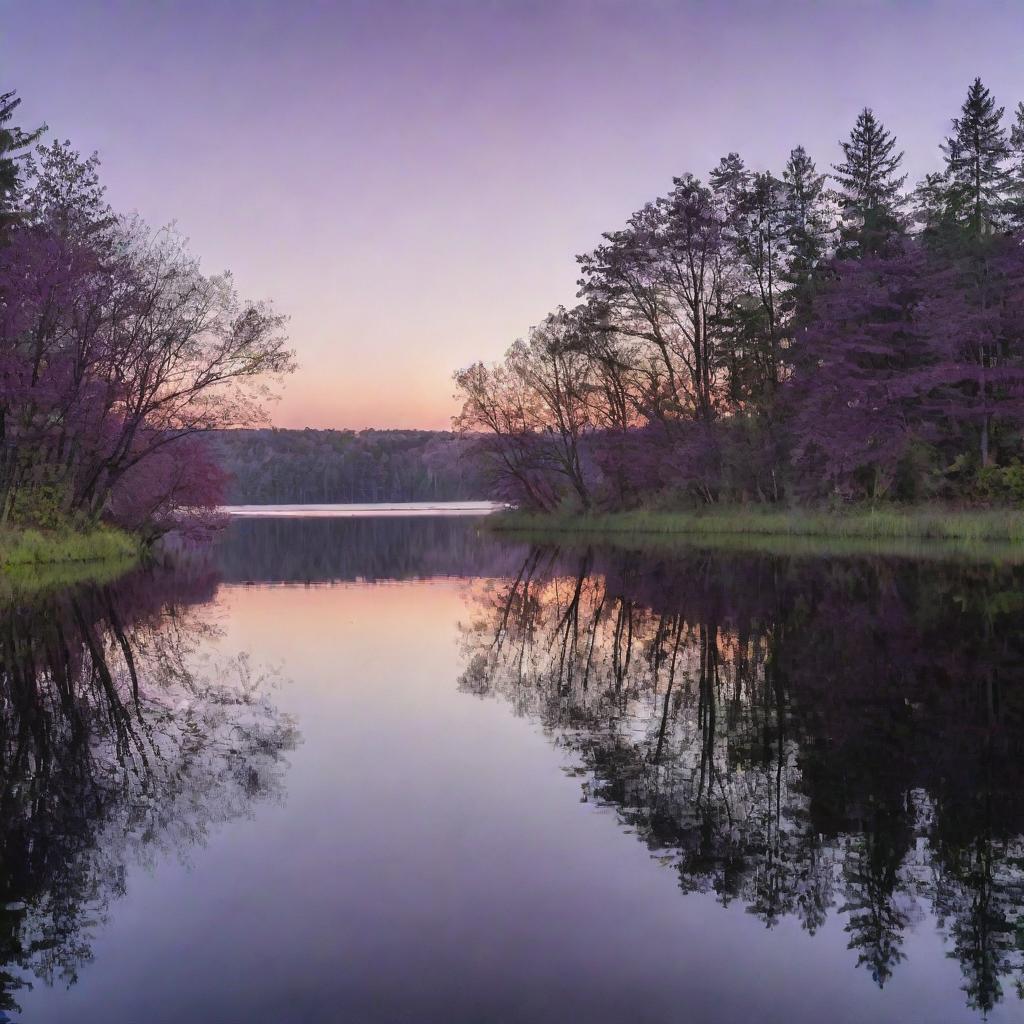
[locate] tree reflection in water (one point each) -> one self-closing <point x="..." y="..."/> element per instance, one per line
<point x="116" y="748"/>
<point x="806" y="737"/>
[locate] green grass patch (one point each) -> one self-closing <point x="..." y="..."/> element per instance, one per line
<point x="990" y="533"/>
<point x="26" y="549"/>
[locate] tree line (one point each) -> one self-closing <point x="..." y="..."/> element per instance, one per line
<point x="117" y="353"/>
<point x="778" y="337"/>
<point x="275" y="466"/>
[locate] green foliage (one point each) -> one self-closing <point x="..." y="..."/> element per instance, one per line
<point x="870" y="187"/>
<point x="757" y="528"/>
<point x="41" y="505"/>
<point x="22" y="549"/>
<point x="975" y="154"/>
<point x="14" y="146"/>
<point x="1002" y="483"/>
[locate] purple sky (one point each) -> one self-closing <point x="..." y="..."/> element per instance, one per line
<point x="410" y="181"/>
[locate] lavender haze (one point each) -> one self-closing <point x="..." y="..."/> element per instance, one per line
<point x="409" y="181"/>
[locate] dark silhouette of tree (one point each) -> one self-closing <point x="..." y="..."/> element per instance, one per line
<point x="976" y="152"/>
<point x="14" y="146"/>
<point x="808" y="229"/>
<point x="870" y="188"/>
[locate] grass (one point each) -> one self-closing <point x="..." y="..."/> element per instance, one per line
<point x="997" y="533"/>
<point x="25" y="549"/>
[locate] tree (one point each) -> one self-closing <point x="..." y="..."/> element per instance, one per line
<point x="14" y="146"/>
<point x="729" y="182"/>
<point x="752" y="313"/>
<point x="536" y="410"/>
<point x="807" y="227"/>
<point x="931" y="204"/>
<point x="621" y="283"/>
<point x="65" y="196"/>
<point x="869" y="194"/>
<point x="1015" y="183"/>
<point x="690" y="263"/>
<point x="855" y="416"/>
<point x="499" y="413"/>
<point x="975" y="154"/>
<point x="913" y="349"/>
<point x="114" y="346"/>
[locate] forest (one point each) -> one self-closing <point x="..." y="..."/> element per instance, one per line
<point x="805" y="337"/>
<point x="274" y="466"/>
<point x="118" y="355"/>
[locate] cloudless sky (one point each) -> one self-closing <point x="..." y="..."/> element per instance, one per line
<point x="410" y="181"/>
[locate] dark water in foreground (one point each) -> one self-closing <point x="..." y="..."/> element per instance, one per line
<point x="395" y="770"/>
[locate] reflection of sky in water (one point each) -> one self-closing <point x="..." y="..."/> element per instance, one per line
<point x="437" y="856"/>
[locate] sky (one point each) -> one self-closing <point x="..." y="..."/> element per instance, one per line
<point x="409" y="181"/>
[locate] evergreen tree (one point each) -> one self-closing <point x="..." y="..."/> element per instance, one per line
<point x="806" y="223"/>
<point x="1015" y="184"/>
<point x="729" y="181"/>
<point x="931" y="202"/>
<point x="751" y="208"/>
<point x="975" y="157"/>
<point x="869" y="193"/>
<point x="758" y="243"/>
<point x="14" y="143"/>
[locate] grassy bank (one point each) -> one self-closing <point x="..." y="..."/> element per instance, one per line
<point x="24" y="550"/>
<point x="997" y="532"/>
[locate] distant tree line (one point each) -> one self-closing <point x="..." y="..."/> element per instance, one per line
<point x="766" y="337"/>
<point x="272" y="466"/>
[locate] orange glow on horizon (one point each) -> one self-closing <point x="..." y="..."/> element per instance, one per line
<point x="303" y="406"/>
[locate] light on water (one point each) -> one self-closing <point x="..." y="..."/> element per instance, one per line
<point x="398" y="768"/>
<point x="400" y="508"/>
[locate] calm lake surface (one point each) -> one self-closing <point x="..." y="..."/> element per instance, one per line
<point x="398" y="769"/>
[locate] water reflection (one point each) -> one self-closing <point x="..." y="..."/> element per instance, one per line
<point x="279" y="550"/>
<point x="118" y="743"/>
<point x="805" y="737"/>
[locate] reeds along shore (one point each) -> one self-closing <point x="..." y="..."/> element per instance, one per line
<point x="923" y="524"/>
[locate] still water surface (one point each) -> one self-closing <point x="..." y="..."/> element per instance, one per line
<point x="396" y="769"/>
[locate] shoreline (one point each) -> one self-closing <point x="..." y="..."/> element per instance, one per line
<point x="915" y="532"/>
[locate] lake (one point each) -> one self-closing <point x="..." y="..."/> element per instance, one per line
<point x="398" y="768"/>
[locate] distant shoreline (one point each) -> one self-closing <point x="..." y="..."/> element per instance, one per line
<point x="363" y="509"/>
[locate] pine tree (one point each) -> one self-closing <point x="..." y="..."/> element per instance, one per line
<point x="975" y="157"/>
<point x="1015" y="184"/>
<point x="806" y="223"/>
<point x="14" y="143"/>
<point x="729" y="182"/>
<point x="931" y="202"/>
<point x="869" y="193"/>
